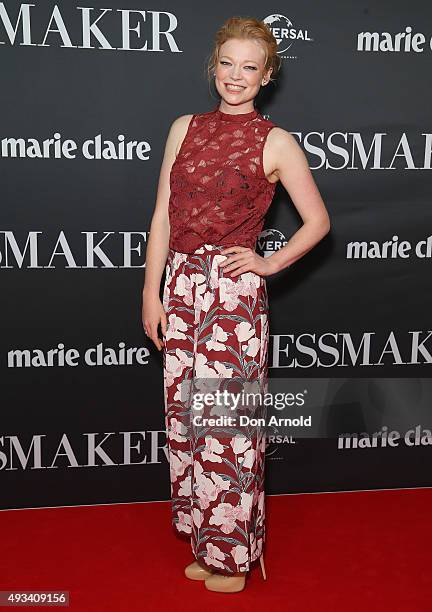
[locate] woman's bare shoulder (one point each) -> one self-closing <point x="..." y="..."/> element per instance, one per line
<point x="181" y="123"/>
<point x="278" y="139"/>
<point x="282" y="150"/>
<point x="178" y="130"/>
<point x="177" y="133"/>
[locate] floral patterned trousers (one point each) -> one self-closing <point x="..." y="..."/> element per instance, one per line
<point x="217" y="329"/>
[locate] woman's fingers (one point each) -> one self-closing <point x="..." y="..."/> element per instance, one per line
<point x="243" y="259"/>
<point x="235" y="249"/>
<point x="152" y="315"/>
<point x="163" y="323"/>
<point x="154" y="336"/>
<point x="234" y="254"/>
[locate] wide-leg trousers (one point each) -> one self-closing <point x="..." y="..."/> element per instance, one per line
<point x="217" y="329"/>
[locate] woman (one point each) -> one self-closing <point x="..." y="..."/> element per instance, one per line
<point x="217" y="180"/>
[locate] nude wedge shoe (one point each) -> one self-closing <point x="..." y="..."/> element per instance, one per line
<point x="195" y="571"/>
<point x="231" y="584"/>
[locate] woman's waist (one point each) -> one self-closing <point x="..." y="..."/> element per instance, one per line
<point x="208" y="248"/>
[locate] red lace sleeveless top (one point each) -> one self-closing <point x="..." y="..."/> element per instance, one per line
<point x="219" y="191"/>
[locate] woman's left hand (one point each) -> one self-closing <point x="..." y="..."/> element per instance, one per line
<point x="242" y="259"/>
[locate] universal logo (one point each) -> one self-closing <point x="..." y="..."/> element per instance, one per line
<point x="269" y="241"/>
<point x="274" y="440"/>
<point x="285" y="33"/>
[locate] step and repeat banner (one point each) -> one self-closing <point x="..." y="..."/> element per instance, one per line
<point x="88" y="94"/>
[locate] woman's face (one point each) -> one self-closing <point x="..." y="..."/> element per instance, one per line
<point x="240" y="63"/>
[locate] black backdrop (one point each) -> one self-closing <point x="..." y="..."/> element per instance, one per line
<point x="348" y="323"/>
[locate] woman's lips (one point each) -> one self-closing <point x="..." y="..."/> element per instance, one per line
<point x="234" y="90"/>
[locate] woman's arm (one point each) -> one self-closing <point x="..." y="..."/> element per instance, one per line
<point x="289" y="163"/>
<point x="284" y="158"/>
<point x="158" y="243"/>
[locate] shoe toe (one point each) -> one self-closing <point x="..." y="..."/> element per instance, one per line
<point x="225" y="584"/>
<point x="194" y="571"/>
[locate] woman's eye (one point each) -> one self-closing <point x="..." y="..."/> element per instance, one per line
<point x="225" y="62"/>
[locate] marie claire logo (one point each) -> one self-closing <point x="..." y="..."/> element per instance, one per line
<point x="65" y="356"/>
<point x="387" y="437"/>
<point x="386" y="42"/>
<point x="126" y="27"/>
<point x="269" y="241"/>
<point x="285" y="32"/>
<point x="94" y="148"/>
<point x="390" y="249"/>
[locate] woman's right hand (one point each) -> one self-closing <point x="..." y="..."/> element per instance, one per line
<point x="153" y="313"/>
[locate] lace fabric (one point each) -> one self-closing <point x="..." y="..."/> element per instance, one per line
<point x="219" y="191"/>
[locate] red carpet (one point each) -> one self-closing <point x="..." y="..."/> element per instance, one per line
<point x="329" y="551"/>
